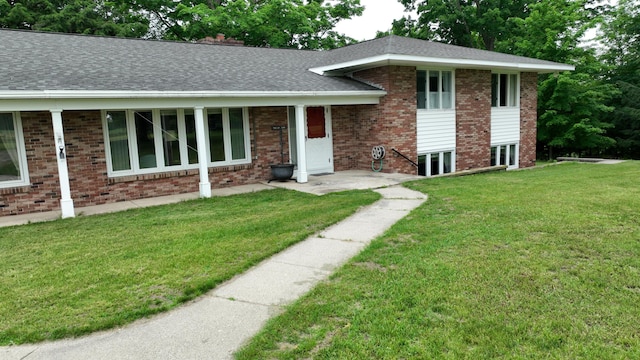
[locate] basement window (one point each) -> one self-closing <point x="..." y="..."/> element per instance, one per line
<point x="505" y="155"/>
<point x="436" y="163"/>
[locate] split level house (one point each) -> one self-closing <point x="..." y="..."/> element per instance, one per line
<point x="88" y="120"/>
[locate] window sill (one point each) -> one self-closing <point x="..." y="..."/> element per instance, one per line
<point x="14" y="189"/>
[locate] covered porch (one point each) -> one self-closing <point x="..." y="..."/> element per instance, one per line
<point x="151" y="146"/>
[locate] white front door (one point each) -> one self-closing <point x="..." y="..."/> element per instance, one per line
<point x="319" y="142"/>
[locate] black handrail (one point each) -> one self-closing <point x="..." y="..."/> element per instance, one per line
<point x="406" y="158"/>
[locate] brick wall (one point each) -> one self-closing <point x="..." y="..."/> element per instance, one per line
<point x="528" y="118"/>
<point x="392" y="123"/>
<point x="267" y="141"/>
<point x="473" y="119"/>
<point x="44" y="192"/>
<point x="348" y="149"/>
<point x="86" y="160"/>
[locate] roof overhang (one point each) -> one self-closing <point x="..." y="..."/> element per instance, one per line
<point x="98" y="100"/>
<point x="407" y="60"/>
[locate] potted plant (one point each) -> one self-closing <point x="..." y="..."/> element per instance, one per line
<point x="282" y="171"/>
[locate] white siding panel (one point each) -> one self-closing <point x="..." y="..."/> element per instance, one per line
<point x="505" y="125"/>
<point x="436" y="131"/>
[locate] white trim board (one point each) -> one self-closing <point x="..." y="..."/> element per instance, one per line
<point x="418" y="61"/>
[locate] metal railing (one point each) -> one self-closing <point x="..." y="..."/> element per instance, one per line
<point x="405" y="157"/>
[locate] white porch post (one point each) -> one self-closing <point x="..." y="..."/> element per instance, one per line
<point x="201" y="141"/>
<point x="60" y="152"/>
<point x="301" y="144"/>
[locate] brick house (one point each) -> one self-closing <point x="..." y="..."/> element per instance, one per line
<point x="91" y="120"/>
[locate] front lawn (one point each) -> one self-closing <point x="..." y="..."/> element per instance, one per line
<point x="536" y="264"/>
<point x="74" y="276"/>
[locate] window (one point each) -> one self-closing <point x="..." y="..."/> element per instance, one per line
<point x="316" y="123"/>
<point x="170" y="140"/>
<point x="436" y="163"/>
<point x="504" y="90"/>
<point x="505" y="155"/>
<point x="435" y="89"/>
<point x="146" y="141"/>
<point x="13" y="169"/>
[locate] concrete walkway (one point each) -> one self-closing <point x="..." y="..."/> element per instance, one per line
<point x="218" y="323"/>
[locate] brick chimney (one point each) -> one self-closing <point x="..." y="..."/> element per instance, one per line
<point x="220" y="40"/>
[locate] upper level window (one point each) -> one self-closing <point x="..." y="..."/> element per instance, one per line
<point x="13" y="169"/>
<point x="145" y="141"/>
<point x="435" y="89"/>
<point x="504" y="90"/>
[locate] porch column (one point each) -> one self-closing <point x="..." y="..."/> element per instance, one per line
<point x="301" y="144"/>
<point x="201" y="141"/>
<point x="60" y="152"/>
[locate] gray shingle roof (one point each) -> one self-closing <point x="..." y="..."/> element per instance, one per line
<point x="48" y="61"/>
<point x="399" y="45"/>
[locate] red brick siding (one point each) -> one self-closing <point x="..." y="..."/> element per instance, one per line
<point x="348" y="151"/>
<point x="44" y="192"/>
<point x="86" y="160"/>
<point x="268" y="140"/>
<point x="473" y="119"/>
<point x="392" y="123"/>
<point x="528" y="119"/>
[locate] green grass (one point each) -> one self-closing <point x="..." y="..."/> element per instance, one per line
<point x="74" y="276"/>
<point x="537" y="264"/>
<point x="545" y="162"/>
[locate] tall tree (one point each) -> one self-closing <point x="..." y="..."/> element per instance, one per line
<point x="113" y="18"/>
<point x="471" y="23"/>
<point x="276" y="23"/>
<point x="621" y="32"/>
<point x="573" y="116"/>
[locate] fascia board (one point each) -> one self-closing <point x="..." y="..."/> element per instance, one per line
<point x="407" y="60"/>
<point x="117" y="94"/>
<point x="72" y="100"/>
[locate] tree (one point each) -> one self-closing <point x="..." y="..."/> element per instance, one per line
<point x="112" y="18"/>
<point x="304" y="24"/>
<point x="573" y="116"/>
<point x="276" y="23"/>
<point x="621" y="32"/>
<point x="471" y="23"/>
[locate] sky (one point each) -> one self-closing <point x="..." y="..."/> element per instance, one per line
<point x="377" y="15"/>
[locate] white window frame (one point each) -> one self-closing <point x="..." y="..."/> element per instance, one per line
<point x="427" y="101"/>
<point x="226" y="131"/>
<point x="512" y="100"/>
<point x="182" y="138"/>
<point x="429" y="170"/>
<point x="498" y="147"/>
<point x="22" y="155"/>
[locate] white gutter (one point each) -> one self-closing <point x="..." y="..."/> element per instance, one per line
<point x="409" y="60"/>
<point x="98" y="100"/>
<point x="118" y="94"/>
